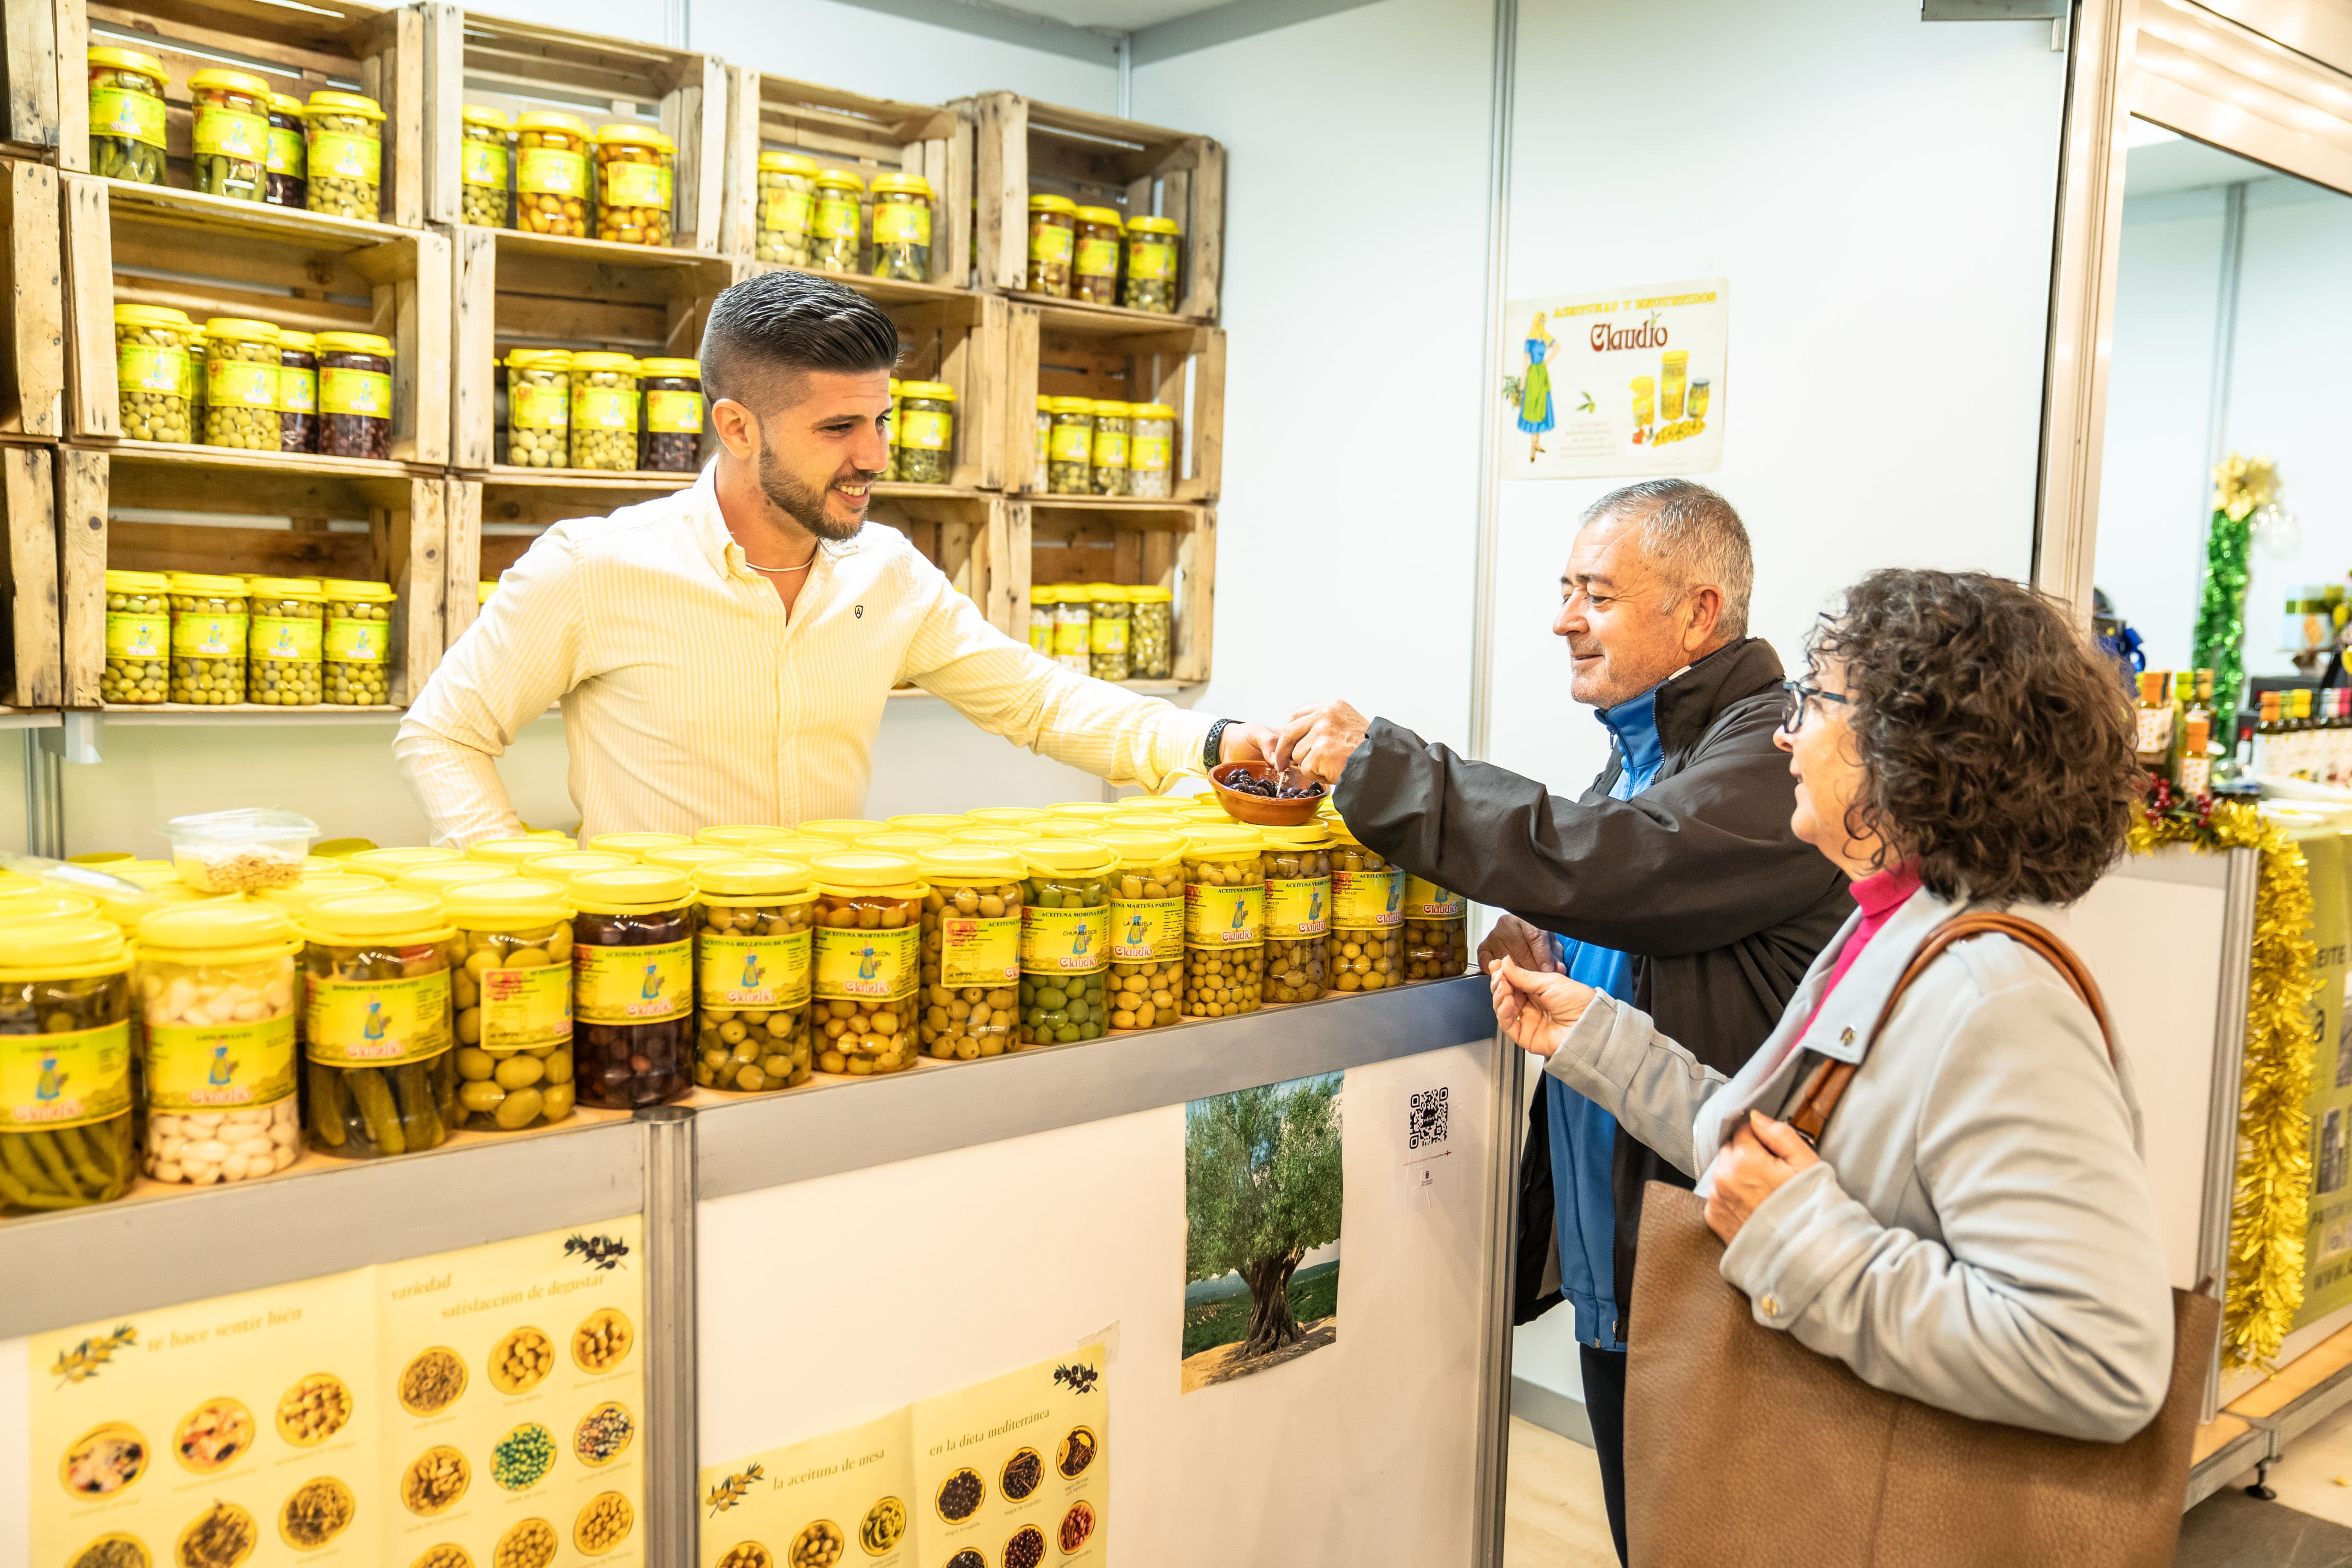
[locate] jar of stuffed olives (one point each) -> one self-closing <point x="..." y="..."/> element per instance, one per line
<point x="1070" y="448"/>
<point x="1039" y="475"/>
<point x="1152" y="451"/>
<point x="1147" y="927"/>
<point x="208" y="633"/>
<point x="126" y="115"/>
<point x="138" y="637"/>
<point x="604" y="411"/>
<point x="1064" y="942"/>
<point x="632" y="983"/>
<point x="288" y="624"/>
<point x="1108" y="462"/>
<point x="1108" y="612"/>
<point x="511" y="1000"/>
<point x="1367" y="914"/>
<point x="636" y="168"/>
<point x="1149" y="610"/>
<point x="151" y="372"/>
<point x="925" y="432"/>
<point x="298" y="392"/>
<point x="1095" y="266"/>
<point x="482" y="163"/>
<point x="1297" y="865"/>
<point x="970" y="950"/>
<point x="218" y="996"/>
<point x="551" y="174"/>
<point x="1151" y="264"/>
<point x="1053" y="245"/>
<point x="539" y="408"/>
<point x="786" y="221"/>
<point x="753" y="955"/>
<point x="1225" y="920"/>
<point x="65" y="1134"/>
<point x="672" y="389"/>
<point x="358" y="646"/>
<point x="834" y="246"/>
<point x="354" y="393"/>
<point x="285" y="181"/>
<point x="868" y="960"/>
<point x="231" y="142"/>
<point x="346" y="154"/>
<point x="1072" y="629"/>
<point x="376" y="1023"/>
<point x="902" y="227"/>
<point x="240" y="385"/>
<point x="1437" y="931"/>
<point x="1041" y="617"/>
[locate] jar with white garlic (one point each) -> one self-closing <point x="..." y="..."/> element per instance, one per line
<point x="218" y="998"/>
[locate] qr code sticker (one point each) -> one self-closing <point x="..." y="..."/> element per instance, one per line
<point x="1425" y="1118"/>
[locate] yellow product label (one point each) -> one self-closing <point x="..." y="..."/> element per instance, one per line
<point x="1051" y="242"/>
<point x="1045" y="437"/>
<point x="526" y="1007"/>
<point x="1070" y="637"/>
<point x="836" y="218"/>
<point x="365" y="392"/>
<point x="136" y="115"/>
<point x="202" y="635"/>
<point x="1426" y="901"/>
<point x="228" y="1064"/>
<point x="633" y="985"/>
<point x="336" y="154"/>
<point x="753" y="970"/>
<point x="1298" y="908"/>
<point x="1071" y="443"/>
<point x="1064" y="942"/>
<point x="483" y="164"/>
<point x="1106" y="634"/>
<point x="902" y="223"/>
<point x="286" y="637"/>
<point x="150" y="368"/>
<point x="1223" y="917"/>
<point x="1363" y="898"/>
<point x="677" y="413"/>
<point x="604" y="408"/>
<point x="67" y="1080"/>
<point x="241" y="383"/>
<point x="552" y="172"/>
<point x="1147" y="260"/>
<point x="297" y="390"/>
<point x="287" y="154"/>
<point x="535" y="405"/>
<point x="1146" y="929"/>
<point x="1041" y="635"/>
<point x="131" y="635"/>
<point x="1098" y="259"/>
<point x="974" y="951"/>
<point x="866" y="965"/>
<point x="788" y="212"/>
<point x="377" y="1023"/>
<point x="927" y="429"/>
<point x="231" y="133"/>
<point x="357" y="642"/>
<point x="1149" y="454"/>
<point x="1110" y="449"/>
<point x="636" y="185"/>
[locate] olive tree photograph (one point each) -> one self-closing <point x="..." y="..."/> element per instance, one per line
<point x="1262" y="1206"/>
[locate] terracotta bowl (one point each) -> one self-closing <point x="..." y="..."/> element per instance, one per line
<point x="1255" y="809"/>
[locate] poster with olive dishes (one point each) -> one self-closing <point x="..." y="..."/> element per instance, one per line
<point x="474" y="1409"/>
<point x="1010" y="1473"/>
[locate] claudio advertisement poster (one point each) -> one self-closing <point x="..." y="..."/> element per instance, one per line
<point x="1616" y="383"/>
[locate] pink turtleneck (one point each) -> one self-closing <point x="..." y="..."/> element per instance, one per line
<point x="1880" y="895"/>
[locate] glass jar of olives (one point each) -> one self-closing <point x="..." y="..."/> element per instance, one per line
<point x="925" y="432"/>
<point x="354" y="393"/>
<point x="672" y="389"/>
<point x="1108" y="612"/>
<point x="1152" y="451"/>
<point x="539" y="408"/>
<point x="288" y="624"/>
<point x="834" y="246"/>
<point x="1225" y="920"/>
<point x="231" y="142"/>
<point x="1064" y="942"/>
<point x="1151" y="264"/>
<point x="603" y="412"/>
<point x="1108" y="461"/>
<point x="151" y="374"/>
<point x="298" y="392"/>
<point x="1367" y="914"/>
<point x="345" y="131"/>
<point x="868" y="960"/>
<point x="1070" y="448"/>
<point x="1147" y="927"/>
<point x="1041" y="617"/>
<point x="1039" y="474"/>
<point x="357" y="652"/>
<point x="376" y="1023"/>
<point x="285" y="181"/>
<point x="512" y="998"/>
<point x="636" y="168"/>
<point x="971" y="950"/>
<point x="551" y="174"/>
<point x="1298" y="863"/>
<point x="753" y="960"/>
<point x="138" y="637"/>
<point x="218" y="998"/>
<point x="902" y="227"/>
<point x="208" y="633"/>
<point x="126" y="115"/>
<point x="1151" y="609"/>
<point x="66" y="1135"/>
<point x="482" y="166"/>
<point x="786" y="221"/>
<point x="1053" y="245"/>
<point x="632" y="983"/>
<point x="240" y="385"/>
<point x="1095" y="266"/>
<point x="1437" y="931"/>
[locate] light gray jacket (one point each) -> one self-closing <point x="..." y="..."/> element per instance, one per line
<point x="1979" y="1235"/>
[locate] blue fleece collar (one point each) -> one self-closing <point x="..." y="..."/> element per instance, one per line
<point x="1634" y="724"/>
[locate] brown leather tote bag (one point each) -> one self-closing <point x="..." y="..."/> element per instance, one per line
<point x="1743" y="1447"/>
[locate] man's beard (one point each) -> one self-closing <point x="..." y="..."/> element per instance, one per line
<point x="797" y="502"/>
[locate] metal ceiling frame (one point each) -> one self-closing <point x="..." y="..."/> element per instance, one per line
<point x="1105" y="47"/>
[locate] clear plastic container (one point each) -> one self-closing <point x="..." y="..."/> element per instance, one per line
<point x="1107" y="460"/>
<point x="1367" y="914"/>
<point x="603" y="412"/>
<point x="382" y="1073"/>
<point x="218" y="994"/>
<point x="633" y="983"/>
<point x="539" y="408"/>
<point x="1109" y="612"/>
<point x="1148" y="654"/>
<point x="357" y="649"/>
<point x="284" y="642"/>
<point x="833" y="246"/>
<point x="1225" y="920"/>
<point x="971" y="951"/>
<point x="1072" y="629"/>
<point x="151" y="373"/>
<point x="902" y="227"/>
<point x="241" y="385"/>
<point x="1437" y="931"/>
<point x="868" y="961"/>
<point x="240" y="851"/>
<point x="1070" y="448"/>
<point x="345" y="131"/>
<point x="66" y="1118"/>
<point x="285" y="170"/>
<point x="551" y="174"/>
<point x="231" y="139"/>
<point x="126" y="115"/>
<point x="786" y="221"/>
<point x="1066" y="930"/>
<point x="672" y="390"/>
<point x="1042" y="601"/>
<point x="354" y="394"/>
<point x="925" y="432"/>
<point x="298" y="392"/>
<point x="1147" y="927"/>
<point x="1152" y="451"/>
<point x="635" y="171"/>
<point x="482" y="167"/>
<point x="753" y="955"/>
<point x="1151" y="245"/>
<point x="511" y="1001"/>
<point x="1040" y="473"/>
<point x="1053" y="245"/>
<point x="208" y="635"/>
<point x="1297" y="865"/>
<point x="138" y="637"/>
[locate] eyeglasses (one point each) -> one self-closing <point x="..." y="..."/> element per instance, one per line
<point x="1794" y="695"/>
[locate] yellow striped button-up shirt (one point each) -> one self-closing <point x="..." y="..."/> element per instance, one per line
<point x="690" y="697"/>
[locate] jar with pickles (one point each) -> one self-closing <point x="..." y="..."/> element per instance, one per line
<point x="752" y="958"/>
<point x="66" y="1133"/>
<point x="1108" y="612"/>
<point x="1070" y="448"/>
<point x="356" y="652"/>
<point x="1298" y="863"/>
<point x="231" y="140"/>
<point x="381" y="1070"/>
<point x="1152" y="451"/>
<point x="834" y="248"/>
<point x="217" y="999"/>
<point x="208" y="637"/>
<point x="672" y="390"/>
<point x="345" y="151"/>
<point x="1225" y="920"/>
<point x="636" y="170"/>
<point x="970" y="951"/>
<point x="1064" y="942"/>
<point x="786" y="221"/>
<point x="1151" y="264"/>
<point x="151" y="373"/>
<point x="126" y="115"/>
<point x="1107" y="458"/>
<point x="285" y="181"/>
<point x="1367" y="914"/>
<point x="632" y="983"/>
<point x="482" y="164"/>
<point x="539" y="408"/>
<point x="138" y="637"/>
<point x="551" y="174"/>
<point x="511" y="1000"/>
<point x="902" y="228"/>
<point x="298" y="392"/>
<point x="925" y="432"/>
<point x="1146" y="988"/>
<point x="354" y="393"/>
<point x="1151" y="608"/>
<point x="868" y="961"/>
<point x="1437" y="931"/>
<point x="603" y="412"/>
<point x="285" y="644"/>
<point x="240" y="385"/>
<point x="1053" y="245"/>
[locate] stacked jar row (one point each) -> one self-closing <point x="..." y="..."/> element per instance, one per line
<point x="814" y="218"/>
<point x="281" y="642"/>
<point x="248" y="143"/>
<point x="1096" y="255"/>
<point x="250" y="386"/>
<point x="544" y="173"/>
<point x="1109" y="630"/>
<point x="605" y="411"/>
<point x="1097" y="447"/>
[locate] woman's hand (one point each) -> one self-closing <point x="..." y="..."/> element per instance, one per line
<point x="1751" y="1168"/>
<point x="1536" y="1010"/>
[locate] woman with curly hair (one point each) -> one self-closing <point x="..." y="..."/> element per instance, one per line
<point x="1974" y="1230"/>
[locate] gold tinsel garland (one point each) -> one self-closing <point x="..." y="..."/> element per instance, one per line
<point x="2272" y="1207"/>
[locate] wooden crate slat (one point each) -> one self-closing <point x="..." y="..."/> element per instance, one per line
<point x="82" y="482"/>
<point x="462" y="569"/>
<point x="28" y="34"/>
<point x="32" y="307"/>
<point x="28" y="493"/>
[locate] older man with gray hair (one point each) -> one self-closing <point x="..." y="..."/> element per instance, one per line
<point x="1674" y="882"/>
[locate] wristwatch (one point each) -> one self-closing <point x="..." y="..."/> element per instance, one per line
<point x="1213" y="751"/>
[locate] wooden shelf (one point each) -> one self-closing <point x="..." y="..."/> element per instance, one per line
<point x="230" y="459"/>
<point x="1079" y="318"/>
<point x="249" y="713"/>
<point x="566" y="248"/>
<point x="167" y="206"/>
<point x="881" y="290"/>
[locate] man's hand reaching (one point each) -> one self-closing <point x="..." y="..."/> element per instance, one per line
<point x="1319" y="741"/>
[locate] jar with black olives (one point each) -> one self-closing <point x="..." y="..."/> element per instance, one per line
<point x="1108" y="613"/>
<point x="289" y="620"/>
<point x="1147" y="927"/>
<point x="208" y="637"/>
<point x="1053" y="245"/>
<point x="354" y="393"/>
<point x="231" y="142"/>
<point x="1070" y="448"/>
<point x="151" y="372"/>
<point x="1367" y="914"/>
<point x="66" y="1133"/>
<point x="632" y="984"/>
<point x="786" y="221"/>
<point x="1437" y="931"/>
<point x="752" y="957"/>
<point x="358" y="646"/>
<point x="1095" y="265"/>
<point x="539" y="408"/>
<point x="346" y="154"/>
<point x="902" y="227"/>
<point x="298" y="392"/>
<point x="925" y="432"/>
<point x="285" y="181"/>
<point x="1151" y="264"/>
<point x="1064" y="942"/>
<point x="126" y="115"/>
<point x="482" y="166"/>
<point x="1225" y="920"/>
<point x="1297" y="865"/>
<point x="971" y="950"/>
<point x="241" y="385"/>
<point x="1150" y="611"/>
<point x="1107" y="464"/>
<point x="635" y="170"/>
<point x="834" y="247"/>
<point x="138" y="637"/>
<point x="672" y="389"/>
<point x="868" y="961"/>
<point x="551" y="174"/>
<point x="376" y="1028"/>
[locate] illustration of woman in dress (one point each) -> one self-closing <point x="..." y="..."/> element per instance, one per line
<point x="1534" y="388"/>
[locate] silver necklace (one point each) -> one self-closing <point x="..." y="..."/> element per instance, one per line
<point x="781" y="570"/>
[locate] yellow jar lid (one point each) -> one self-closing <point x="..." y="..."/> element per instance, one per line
<point x="322" y="866"/>
<point x="1341" y="831"/>
<point x="853" y="871"/>
<point x="938" y="391"/>
<point x="483" y="589"/>
<point x="390" y="915"/>
<point x="355" y="343"/>
<point x="686" y="367"/>
<point x="400" y="862"/>
<point x="899" y="841"/>
<point x="1067" y="857"/>
<point x="346" y="103"/>
<point x="738" y="835"/>
<point x="1052" y="204"/>
<point x="1110" y="216"/>
<point x="1217" y="841"/>
<point x="773" y="162"/>
<point x="507" y="904"/>
<point x="844" y="829"/>
<point x="352" y="590"/>
<point x="587" y="361"/>
<point x="103" y="857"/>
<point x="997" y="834"/>
<point x="1111" y="408"/>
<point x="1150" y="411"/>
<point x="796" y="846"/>
<point x="539" y="359"/>
<point x="239" y="330"/>
<point x="635" y="845"/>
<point x="301" y="343"/>
<point x="1045" y="404"/>
<point x="1143" y="222"/>
<point x="312" y="889"/>
<point x="903" y="184"/>
<point x="1074" y="405"/>
<point x="634" y="136"/>
<point x="128" y="61"/>
<point x="692" y="858"/>
<point x="152" y="316"/>
<point x="1138" y="850"/>
<point x="206" y="584"/>
<point x="738" y="877"/>
<point x="1007" y="816"/>
<point x="550" y="119"/>
<point x="895" y="385"/>
<point x="1094" y="808"/>
<point x="483" y="115"/>
<point x="43" y="903"/>
<point x="1106" y="593"/>
<point x="304" y="590"/>
<point x="136" y="582"/>
<point x="553" y="834"/>
<point x="840" y="180"/>
<point x="1046" y="593"/>
<point x="1159" y="803"/>
<point x="229" y="930"/>
<point x="231" y="81"/>
<point x="438" y="879"/>
<point x="1150" y="594"/>
<point x="1307" y="835"/>
<point x="629" y="889"/>
<point x="972" y="863"/>
<point x="572" y="862"/>
<point x="929" y="822"/>
<point x="286" y="103"/>
<point x="74" y="947"/>
<point x="1144" y="822"/>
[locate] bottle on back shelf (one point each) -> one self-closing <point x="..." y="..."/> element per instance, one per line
<point x="2262" y="758"/>
<point x="2153" y="744"/>
<point x="2192" y="776"/>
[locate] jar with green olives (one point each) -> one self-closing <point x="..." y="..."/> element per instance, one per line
<point x="971" y="951"/>
<point x="1053" y="245"/>
<point x="1225" y="920"/>
<point x="1152" y="451"/>
<point x="1107" y="460"/>
<point x="752" y="957"/>
<point x="66" y="1138"/>
<point x="1147" y="927"/>
<point x="231" y="141"/>
<point x="511" y="1000"/>
<point x="288" y="624"/>
<point x="604" y="411"/>
<point x="209" y="636"/>
<point x="867" y="961"/>
<point x="1151" y="264"/>
<point x="285" y="169"/>
<point x="241" y="385"/>
<point x="355" y="396"/>
<point x="539" y="408"/>
<point x="298" y="392"/>
<point x="1064" y="942"/>
<point x="376" y="1028"/>
<point x="1070" y="448"/>
<point x="631" y="982"/>
<point x="834" y="247"/>
<point x="1437" y="931"/>
<point x="1039" y="474"/>
<point x="551" y="174"/>
<point x="482" y="163"/>
<point x="925" y="432"/>
<point x="1095" y="266"/>
<point x="902" y="227"/>
<point x="1041" y="617"/>
<point x="151" y="372"/>
<point x="126" y="115"/>
<point x="358" y="646"/>
<point x="345" y="132"/>
<point x="1151" y="608"/>
<point x="1108" y="612"/>
<point x="1297" y="865"/>
<point x="138" y="637"/>
<point x="786" y="221"/>
<point x="1367" y="914"/>
<point x="635" y="166"/>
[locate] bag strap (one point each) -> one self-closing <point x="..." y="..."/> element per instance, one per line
<point x="1817" y="1097"/>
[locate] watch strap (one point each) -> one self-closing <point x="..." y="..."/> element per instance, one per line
<point x="1212" y="750"/>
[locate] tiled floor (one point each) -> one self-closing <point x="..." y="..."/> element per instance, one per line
<point x="1552" y="1515"/>
<point x="2315" y="1477"/>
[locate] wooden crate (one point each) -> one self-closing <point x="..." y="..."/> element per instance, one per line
<point x="516" y="66"/>
<point x="1023" y="147"/>
<point x="141" y="245"/>
<point x="1167" y="544"/>
<point x="33" y="82"/>
<point x="1054" y="351"/>
<point x="867" y="136"/>
<point x="403" y="542"/>
<point x="32" y="304"/>
<point x="29" y="670"/>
